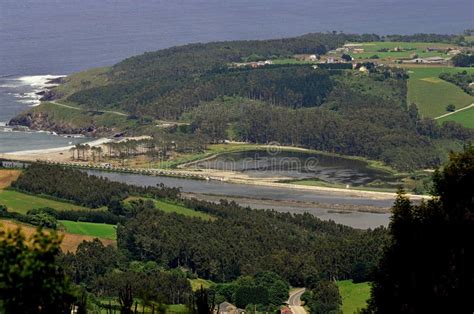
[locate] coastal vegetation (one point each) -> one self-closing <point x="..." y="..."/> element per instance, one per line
<point x="187" y="90"/>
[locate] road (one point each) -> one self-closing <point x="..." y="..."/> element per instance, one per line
<point x="294" y="301"/>
<point x="55" y="102"/>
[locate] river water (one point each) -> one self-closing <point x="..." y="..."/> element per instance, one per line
<point x="252" y="196"/>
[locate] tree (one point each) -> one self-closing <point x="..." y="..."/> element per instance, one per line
<point x="427" y="267"/>
<point x="346" y="57"/>
<point x="30" y="279"/>
<point x="463" y="60"/>
<point x="324" y="298"/>
<point x="450" y="108"/>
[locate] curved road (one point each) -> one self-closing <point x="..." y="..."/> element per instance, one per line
<point x="294" y="302"/>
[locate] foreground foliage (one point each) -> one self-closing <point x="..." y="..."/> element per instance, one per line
<point x="30" y="280"/>
<point x="427" y="268"/>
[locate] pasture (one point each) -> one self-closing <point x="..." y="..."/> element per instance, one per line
<point x="22" y="202"/>
<point x="198" y="282"/>
<point x="171" y="207"/>
<point x="70" y="241"/>
<point x="464" y="117"/>
<point x="432" y="94"/>
<point x="96" y="230"/>
<point x="408" y="49"/>
<point x="354" y="295"/>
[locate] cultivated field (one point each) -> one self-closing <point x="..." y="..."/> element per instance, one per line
<point x="432" y="94"/>
<point x="354" y="295"/>
<point x="69" y="243"/>
<point x="98" y="230"/>
<point x="7" y="176"/>
<point x="21" y="202"/>
<point x="407" y="50"/>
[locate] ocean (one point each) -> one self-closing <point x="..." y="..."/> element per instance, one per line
<point x="57" y="37"/>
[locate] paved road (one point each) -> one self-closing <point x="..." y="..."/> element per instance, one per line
<point x="294" y="301"/>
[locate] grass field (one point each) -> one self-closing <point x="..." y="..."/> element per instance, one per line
<point x="197" y="283"/>
<point x="90" y="229"/>
<point x="170" y="207"/>
<point x="82" y="80"/>
<point x="465" y="117"/>
<point x="21" y="202"/>
<point x="76" y="117"/>
<point x="409" y="48"/>
<point x="431" y="94"/>
<point x="69" y="243"/>
<point x="354" y="295"/>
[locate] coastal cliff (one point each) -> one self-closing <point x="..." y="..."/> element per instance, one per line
<point x="62" y="120"/>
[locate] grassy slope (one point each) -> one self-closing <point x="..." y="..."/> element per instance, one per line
<point x="69" y="243"/>
<point x="81" y="118"/>
<point x="21" y="202"/>
<point x="83" y="80"/>
<point x="90" y="229"/>
<point x="465" y="117"/>
<point x="431" y="94"/>
<point x="197" y="283"/>
<point x="7" y="176"/>
<point x="354" y="295"/>
<point x="170" y="207"/>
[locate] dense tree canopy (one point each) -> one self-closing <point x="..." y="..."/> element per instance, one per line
<point x="428" y="265"/>
<point x="30" y="279"/>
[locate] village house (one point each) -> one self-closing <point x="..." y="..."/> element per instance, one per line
<point x="306" y="57"/>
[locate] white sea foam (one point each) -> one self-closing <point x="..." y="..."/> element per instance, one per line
<point x="39" y="81"/>
<point x="27" y="87"/>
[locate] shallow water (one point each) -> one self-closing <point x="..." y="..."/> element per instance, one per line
<point x="354" y="219"/>
<point x="23" y="141"/>
<point x="299" y="165"/>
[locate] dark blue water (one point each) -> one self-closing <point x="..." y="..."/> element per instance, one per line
<point x="62" y="36"/>
<point x="39" y="37"/>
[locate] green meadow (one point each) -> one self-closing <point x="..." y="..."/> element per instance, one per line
<point x="198" y="282"/>
<point x="432" y="94"/>
<point x="90" y="229"/>
<point x="171" y="207"/>
<point x="354" y="295"/>
<point x="20" y="202"/>
<point x="464" y="117"/>
<point x="408" y="49"/>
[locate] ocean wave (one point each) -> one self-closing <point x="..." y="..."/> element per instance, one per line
<point x="39" y="81"/>
<point x="25" y="88"/>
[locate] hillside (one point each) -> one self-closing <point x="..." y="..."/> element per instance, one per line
<point x="220" y="91"/>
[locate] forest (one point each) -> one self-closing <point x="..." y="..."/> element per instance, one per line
<point x="298" y="247"/>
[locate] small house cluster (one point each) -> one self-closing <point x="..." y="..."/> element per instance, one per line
<point x="253" y="65"/>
